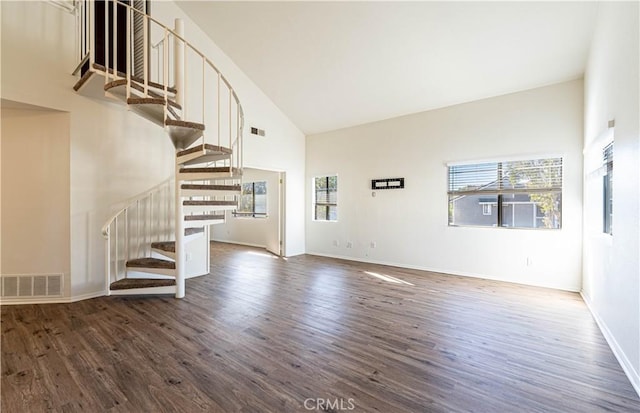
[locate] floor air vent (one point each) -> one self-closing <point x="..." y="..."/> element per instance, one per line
<point x="32" y="286"/>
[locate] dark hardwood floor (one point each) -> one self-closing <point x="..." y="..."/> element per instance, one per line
<point x="262" y="334"/>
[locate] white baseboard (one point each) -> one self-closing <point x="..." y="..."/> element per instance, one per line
<point x="436" y="270"/>
<point x="87" y="296"/>
<point x="51" y="300"/>
<point x="626" y="365"/>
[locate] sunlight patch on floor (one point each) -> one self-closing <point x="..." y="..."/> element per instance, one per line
<point x="263" y="254"/>
<point x="387" y="278"/>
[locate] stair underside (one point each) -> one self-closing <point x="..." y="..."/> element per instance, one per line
<point x="133" y="283"/>
<point x="183" y="133"/>
<point x="203" y="153"/>
<point x="193" y="231"/>
<point x="209" y="173"/>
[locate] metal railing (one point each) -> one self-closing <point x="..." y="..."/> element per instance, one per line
<point x="157" y="63"/>
<point x="146" y="218"/>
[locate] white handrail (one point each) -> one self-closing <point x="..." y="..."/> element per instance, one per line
<point x="131" y="201"/>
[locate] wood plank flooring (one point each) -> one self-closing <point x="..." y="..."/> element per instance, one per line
<point x="262" y="334"/>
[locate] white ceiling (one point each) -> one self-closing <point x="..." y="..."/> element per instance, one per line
<point x="329" y="65"/>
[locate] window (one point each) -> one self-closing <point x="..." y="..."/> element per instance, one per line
<point x="511" y="194"/>
<point x="253" y="200"/>
<point x="325" y="206"/>
<point x="607" y="190"/>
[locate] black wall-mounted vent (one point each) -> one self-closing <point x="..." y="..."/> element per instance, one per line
<point x="387" y="183"/>
<point x="257" y="132"/>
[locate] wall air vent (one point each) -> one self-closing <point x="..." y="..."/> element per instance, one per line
<point x="257" y="132"/>
<point x="32" y="285"/>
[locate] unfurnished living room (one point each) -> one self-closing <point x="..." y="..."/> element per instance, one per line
<point x="367" y="206"/>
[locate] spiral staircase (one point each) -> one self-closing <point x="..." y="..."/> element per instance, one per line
<point x="129" y="57"/>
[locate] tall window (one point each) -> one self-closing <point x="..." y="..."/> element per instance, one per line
<point x="513" y="194"/>
<point x="607" y="190"/>
<point x="325" y="207"/>
<point x="253" y="200"/>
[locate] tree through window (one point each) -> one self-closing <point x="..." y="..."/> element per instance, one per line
<point x="513" y="194"/>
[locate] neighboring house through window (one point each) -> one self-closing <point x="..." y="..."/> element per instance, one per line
<point x="253" y="200"/>
<point x="325" y="202"/>
<point x="512" y="194"/>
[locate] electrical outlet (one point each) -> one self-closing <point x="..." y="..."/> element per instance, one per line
<point x="349" y="244"/>
<point x="373" y="244"/>
<point x="336" y="243"/>
<point x="529" y="261"/>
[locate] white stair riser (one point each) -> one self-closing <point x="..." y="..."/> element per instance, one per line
<point x="145" y="291"/>
<point x="195" y="209"/>
<point x="206" y="176"/>
<point x="198" y="224"/>
<point x="159" y="271"/>
<point x="145" y="275"/>
<point x="163" y="253"/>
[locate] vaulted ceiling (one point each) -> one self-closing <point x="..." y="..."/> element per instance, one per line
<point x="329" y="65"/>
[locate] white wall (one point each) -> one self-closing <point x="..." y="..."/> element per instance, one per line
<point x="283" y="148"/>
<point x="35" y="208"/>
<point x="409" y="226"/>
<point x="611" y="283"/>
<point x="247" y="230"/>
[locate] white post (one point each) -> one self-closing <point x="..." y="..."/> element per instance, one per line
<point x="180" y="254"/>
<point x="178" y="62"/>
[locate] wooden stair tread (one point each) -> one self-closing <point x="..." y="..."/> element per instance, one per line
<point x="206" y="147"/>
<point x="87" y="75"/>
<point x="146" y="101"/>
<point x="183" y="124"/>
<point x="140" y="88"/>
<point x="136" y="79"/>
<point x="212" y="187"/>
<point x="204" y="217"/>
<point x="168" y="246"/>
<point x="208" y="203"/>
<point x="130" y="283"/>
<point x="151" y="263"/>
<point x="193" y="231"/>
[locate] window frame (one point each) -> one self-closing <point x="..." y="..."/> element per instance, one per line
<point x="607" y="188"/>
<point x="499" y="191"/>
<point x="314" y="211"/>
<point x="253" y="213"/>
